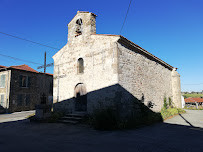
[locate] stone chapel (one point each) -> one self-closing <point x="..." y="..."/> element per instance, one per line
<point x="97" y="70"/>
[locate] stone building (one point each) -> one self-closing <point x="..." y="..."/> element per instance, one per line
<point x="94" y="70"/>
<point x="21" y="88"/>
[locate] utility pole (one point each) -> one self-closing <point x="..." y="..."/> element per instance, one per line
<point x="45" y="60"/>
<point x="45" y="63"/>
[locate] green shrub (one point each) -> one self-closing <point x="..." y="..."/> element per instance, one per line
<point x="170" y="102"/>
<point x="110" y="119"/>
<point x="168" y="110"/>
<point x="166" y="113"/>
<point x="165" y="103"/>
<point x="105" y="119"/>
<point x="55" y="116"/>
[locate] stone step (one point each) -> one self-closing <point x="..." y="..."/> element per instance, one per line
<point x="71" y="118"/>
<point x="76" y="115"/>
<point x="68" y="121"/>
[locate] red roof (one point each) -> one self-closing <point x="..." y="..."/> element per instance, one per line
<point x="48" y="74"/>
<point x="193" y="100"/>
<point x="1" y="66"/>
<point x="24" y="67"/>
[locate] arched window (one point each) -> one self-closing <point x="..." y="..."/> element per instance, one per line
<point x="80" y="65"/>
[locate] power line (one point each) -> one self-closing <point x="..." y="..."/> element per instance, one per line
<point x="126" y="16"/>
<point x="29" y="41"/>
<point x="14" y="58"/>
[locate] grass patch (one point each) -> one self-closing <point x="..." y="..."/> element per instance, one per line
<point x="193" y="95"/>
<point x="193" y="108"/>
<point x="166" y="113"/>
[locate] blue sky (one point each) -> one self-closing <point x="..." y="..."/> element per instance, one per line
<point x="170" y="29"/>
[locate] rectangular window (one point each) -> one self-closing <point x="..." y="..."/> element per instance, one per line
<point x="24" y="81"/>
<point x="2" y="100"/>
<point x="2" y="81"/>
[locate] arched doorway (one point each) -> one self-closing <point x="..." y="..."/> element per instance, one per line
<point x="80" y="97"/>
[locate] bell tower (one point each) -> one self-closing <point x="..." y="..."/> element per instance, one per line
<point x="82" y="25"/>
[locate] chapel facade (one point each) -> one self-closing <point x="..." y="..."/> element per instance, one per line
<point x="98" y="70"/>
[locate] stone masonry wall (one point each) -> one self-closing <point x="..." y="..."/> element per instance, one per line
<point x="88" y="26"/>
<point x="38" y="84"/>
<point x="143" y="78"/>
<point x="100" y="70"/>
<point x="176" y="88"/>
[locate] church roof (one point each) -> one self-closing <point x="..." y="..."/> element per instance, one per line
<point x="78" y="12"/>
<point x="142" y="51"/>
<point x="86" y="12"/>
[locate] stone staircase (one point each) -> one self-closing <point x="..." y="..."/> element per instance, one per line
<point x="73" y="118"/>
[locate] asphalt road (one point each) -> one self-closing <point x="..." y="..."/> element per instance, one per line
<point x="193" y="118"/>
<point x="171" y="136"/>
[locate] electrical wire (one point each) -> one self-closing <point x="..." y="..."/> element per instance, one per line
<point x="29" y="41"/>
<point x="14" y="58"/>
<point x="126" y="16"/>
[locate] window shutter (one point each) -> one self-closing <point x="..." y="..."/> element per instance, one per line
<point x="2" y="100"/>
<point x="20" y="80"/>
<point x="3" y="81"/>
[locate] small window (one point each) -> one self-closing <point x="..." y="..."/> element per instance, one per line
<point x="2" y="81"/>
<point x="24" y="81"/>
<point x="80" y="65"/>
<point x="2" y="100"/>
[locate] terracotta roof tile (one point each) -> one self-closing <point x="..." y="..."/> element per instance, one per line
<point x="193" y="100"/>
<point x="24" y="67"/>
<point x="1" y="66"/>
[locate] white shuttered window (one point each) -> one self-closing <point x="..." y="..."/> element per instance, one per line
<point x="2" y="80"/>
